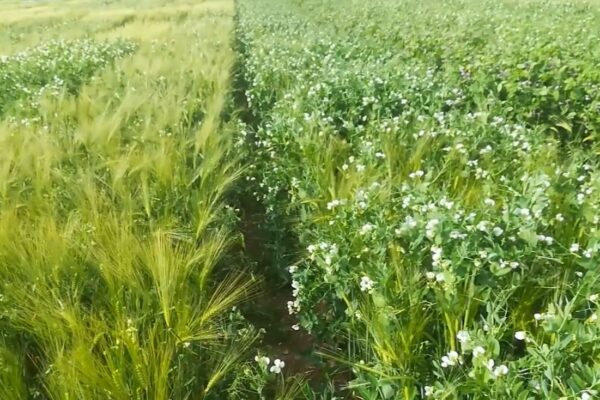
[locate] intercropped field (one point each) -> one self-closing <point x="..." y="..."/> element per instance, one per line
<point x="299" y="199"/>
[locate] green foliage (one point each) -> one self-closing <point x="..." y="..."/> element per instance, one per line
<point x="117" y="273"/>
<point x="51" y="68"/>
<point x="438" y="164"/>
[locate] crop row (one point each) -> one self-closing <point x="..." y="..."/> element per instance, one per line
<point x="117" y="269"/>
<point x="437" y="166"/>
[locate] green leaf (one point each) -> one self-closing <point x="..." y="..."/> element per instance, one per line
<point x="387" y="391"/>
<point x="529" y="235"/>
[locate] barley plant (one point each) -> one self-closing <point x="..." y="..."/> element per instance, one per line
<point x="114" y="165"/>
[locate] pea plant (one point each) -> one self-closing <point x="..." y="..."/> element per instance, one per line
<point x="437" y="165"/>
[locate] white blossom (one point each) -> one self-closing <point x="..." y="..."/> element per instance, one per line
<point x="277" y="366"/>
<point x="574" y="248"/>
<point x="366" y="228"/>
<point x="416" y="174"/>
<point x="451" y="359"/>
<point x="478" y="351"/>
<point x="463" y="337"/>
<point x="520" y="335"/>
<point x="586" y="396"/>
<point x="500" y="370"/>
<point x="265" y="361"/>
<point x="429" y="391"/>
<point x="559" y="217"/>
<point x="366" y="284"/>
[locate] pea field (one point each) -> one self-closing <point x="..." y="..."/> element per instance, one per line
<point x="299" y="199"/>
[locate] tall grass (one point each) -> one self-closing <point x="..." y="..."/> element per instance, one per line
<point x="113" y="223"/>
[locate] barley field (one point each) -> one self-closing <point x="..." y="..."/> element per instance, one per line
<point x="299" y="199"/>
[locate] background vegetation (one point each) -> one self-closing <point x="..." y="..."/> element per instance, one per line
<point x="406" y="192"/>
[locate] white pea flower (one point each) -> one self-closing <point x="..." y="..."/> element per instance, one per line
<point x="574" y="248"/>
<point x="440" y="278"/>
<point x="446" y="203"/>
<point x="486" y="149"/>
<point x="430" y="275"/>
<point x="500" y="370"/>
<point x="497" y="231"/>
<point x="265" y="361"/>
<point x="296" y="327"/>
<point x="478" y="351"/>
<point x="430" y="227"/>
<point x="429" y="391"/>
<point x="593" y="298"/>
<point x="416" y="174"/>
<point x="366" y="228"/>
<point x="360" y="167"/>
<point x="296" y="286"/>
<point x="490" y="364"/>
<point x="520" y="335"/>
<point x="523" y="212"/>
<point x="333" y="204"/>
<point x="489" y="202"/>
<point x="586" y="396"/>
<point x="436" y="255"/>
<point x="587" y="253"/>
<point x="559" y="217"/>
<point x="410" y="222"/>
<point x="482" y="226"/>
<point x="292" y="269"/>
<point x="277" y="366"/>
<point x="293" y="307"/>
<point x="451" y="359"/>
<point x="546" y="239"/>
<point x="538" y="316"/>
<point x="463" y="337"/>
<point x="457" y="235"/>
<point x="366" y="284"/>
